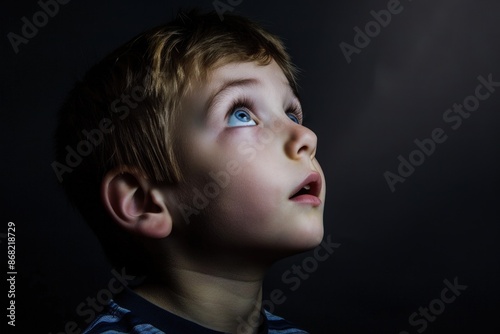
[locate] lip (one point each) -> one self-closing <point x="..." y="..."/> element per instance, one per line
<point x="312" y="197"/>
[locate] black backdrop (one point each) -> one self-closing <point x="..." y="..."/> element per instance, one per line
<point x="396" y="248"/>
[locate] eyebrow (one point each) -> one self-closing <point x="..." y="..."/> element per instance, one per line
<point x="217" y="95"/>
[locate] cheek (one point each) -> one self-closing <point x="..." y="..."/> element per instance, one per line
<point x="233" y="181"/>
<point x="249" y="195"/>
<point x="255" y="186"/>
<point x="247" y="206"/>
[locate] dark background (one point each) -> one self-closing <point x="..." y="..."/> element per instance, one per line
<point x="396" y="247"/>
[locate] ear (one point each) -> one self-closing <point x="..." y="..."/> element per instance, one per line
<point x="135" y="204"/>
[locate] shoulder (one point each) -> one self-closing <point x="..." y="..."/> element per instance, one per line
<point x="115" y="319"/>
<point x="278" y="325"/>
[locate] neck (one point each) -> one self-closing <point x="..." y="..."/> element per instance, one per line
<point x="223" y="302"/>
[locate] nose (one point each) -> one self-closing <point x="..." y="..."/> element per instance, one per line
<point x="301" y="142"/>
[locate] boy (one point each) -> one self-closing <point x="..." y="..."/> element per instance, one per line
<point x="194" y="171"/>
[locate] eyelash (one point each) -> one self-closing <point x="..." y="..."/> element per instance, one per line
<point x="246" y="103"/>
<point x="243" y="102"/>
<point x="297" y="112"/>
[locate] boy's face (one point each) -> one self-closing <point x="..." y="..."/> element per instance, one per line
<point x="244" y="157"/>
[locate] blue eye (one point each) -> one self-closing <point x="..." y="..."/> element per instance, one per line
<point x="240" y="117"/>
<point x="294" y="118"/>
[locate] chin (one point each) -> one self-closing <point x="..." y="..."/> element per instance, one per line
<point x="313" y="237"/>
<point x="306" y="238"/>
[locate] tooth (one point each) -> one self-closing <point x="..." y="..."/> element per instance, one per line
<point x="307" y="187"/>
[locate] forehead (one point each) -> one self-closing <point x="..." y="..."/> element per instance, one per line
<point x="241" y="70"/>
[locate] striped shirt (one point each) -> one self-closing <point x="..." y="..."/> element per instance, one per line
<point x="130" y="313"/>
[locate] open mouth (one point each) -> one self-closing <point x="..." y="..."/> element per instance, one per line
<point x="306" y="190"/>
<point x="310" y="187"/>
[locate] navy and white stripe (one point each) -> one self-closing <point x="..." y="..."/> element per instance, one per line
<point x="138" y="316"/>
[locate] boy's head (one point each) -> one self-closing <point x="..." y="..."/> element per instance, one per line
<point x="192" y="130"/>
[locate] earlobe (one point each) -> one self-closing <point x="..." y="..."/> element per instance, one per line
<point x="135" y="204"/>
